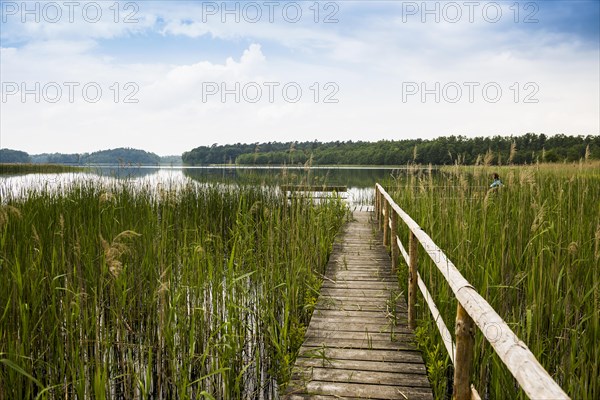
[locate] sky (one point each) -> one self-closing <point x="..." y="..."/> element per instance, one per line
<point x="168" y="76"/>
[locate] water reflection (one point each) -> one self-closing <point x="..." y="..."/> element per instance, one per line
<point x="359" y="181"/>
<point x="350" y="177"/>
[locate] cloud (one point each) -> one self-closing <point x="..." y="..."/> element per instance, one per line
<point x="369" y="55"/>
<point x="43" y="21"/>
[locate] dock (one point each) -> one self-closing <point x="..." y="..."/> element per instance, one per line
<point x="358" y="344"/>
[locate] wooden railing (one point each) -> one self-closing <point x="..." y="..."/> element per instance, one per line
<point x="472" y="310"/>
<point x="314" y="188"/>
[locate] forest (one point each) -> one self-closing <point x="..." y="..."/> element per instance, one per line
<point x="497" y="150"/>
<point x="119" y="156"/>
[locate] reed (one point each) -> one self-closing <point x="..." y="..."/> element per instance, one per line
<point x="116" y="290"/>
<point x="15" y="169"/>
<point x="531" y="248"/>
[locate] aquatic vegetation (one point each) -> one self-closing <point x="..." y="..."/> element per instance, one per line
<point x="115" y="290"/>
<point x="531" y="248"/>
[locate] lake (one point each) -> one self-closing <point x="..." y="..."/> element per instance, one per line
<point x="359" y="180"/>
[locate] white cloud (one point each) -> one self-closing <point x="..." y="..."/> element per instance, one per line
<point x="368" y="56"/>
<point x="193" y="30"/>
<point x="73" y="20"/>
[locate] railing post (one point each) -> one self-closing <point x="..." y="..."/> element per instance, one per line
<point x="386" y="224"/>
<point x="381" y="210"/>
<point x="376" y="203"/>
<point x="412" y="279"/>
<point x="463" y="361"/>
<point x="394" y="242"/>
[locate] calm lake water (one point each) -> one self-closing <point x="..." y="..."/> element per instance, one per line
<point x="359" y="180"/>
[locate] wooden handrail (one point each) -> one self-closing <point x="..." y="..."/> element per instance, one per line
<point x="472" y="308"/>
<point x="314" y="188"/>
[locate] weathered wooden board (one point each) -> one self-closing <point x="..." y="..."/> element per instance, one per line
<point x="361" y="390"/>
<point x="358" y="345"/>
<point x="377" y="366"/>
<point x="368" y="377"/>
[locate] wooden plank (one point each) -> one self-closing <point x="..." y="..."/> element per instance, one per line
<point x="364" y="335"/>
<point x="340" y="300"/>
<point x="350" y="268"/>
<point x="358" y="344"/>
<point x="373" y="270"/>
<point x="359" y="327"/>
<point x="398" y="367"/>
<point x="357" y="254"/>
<point x="358" y="277"/>
<point x="351" y="307"/>
<point x="360" y="293"/>
<point x="359" y="314"/>
<point x="367" y="377"/>
<point x="381" y="321"/>
<point x="351" y="290"/>
<point x="361" y="354"/>
<point x="357" y="261"/>
<point x="365" y="391"/>
<point x="374" y="325"/>
<point x="379" y="315"/>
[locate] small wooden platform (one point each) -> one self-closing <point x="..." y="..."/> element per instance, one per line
<point x="358" y="345"/>
<point x="314" y="188"/>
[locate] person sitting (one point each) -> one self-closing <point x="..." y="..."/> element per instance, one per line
<point x="497" y="182"/>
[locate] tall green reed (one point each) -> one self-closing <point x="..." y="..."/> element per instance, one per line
<point x="119" y="291"/>
<point x="531" y="249"/>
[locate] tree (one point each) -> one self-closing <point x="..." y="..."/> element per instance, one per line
<point x="440" y="151"/>
<point x="9" y="156"/>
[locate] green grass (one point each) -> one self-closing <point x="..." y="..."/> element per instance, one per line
<point x="16" y="169"/>
<point x="531" y="249"/>
<point x="120" y="291"/>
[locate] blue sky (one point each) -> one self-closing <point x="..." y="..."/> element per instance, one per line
<point x="181" y="74"/>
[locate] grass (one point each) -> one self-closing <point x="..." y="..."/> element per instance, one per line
<point x="531" y="249"/>
<point x="112" y="290"/>
<point x="16" y="169"/>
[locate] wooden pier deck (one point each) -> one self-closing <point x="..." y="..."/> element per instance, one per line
<point x="358" y="344"/>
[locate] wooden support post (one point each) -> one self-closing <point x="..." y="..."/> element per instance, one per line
<point x="394" y="242"/>
<point x="412" y="280"/>
<point x="381" y="211"/>
<point x="386" y="224"/>
<point x="377" y="212"/>
<point x="463" y="361"/>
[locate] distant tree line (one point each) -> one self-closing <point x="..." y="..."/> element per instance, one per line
<point x="8" y="156"/>
<point x="497" y="150"/>
<point x="117" y="156"/>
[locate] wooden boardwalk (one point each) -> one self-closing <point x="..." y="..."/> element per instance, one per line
<point x="358" y="345"/>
